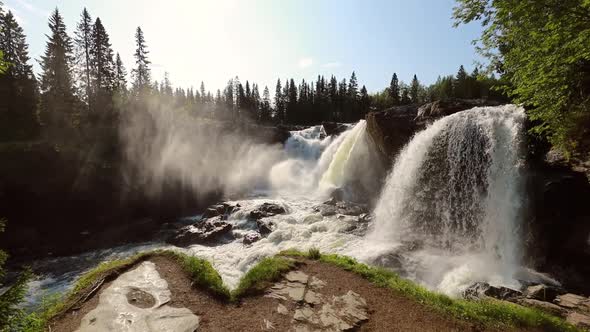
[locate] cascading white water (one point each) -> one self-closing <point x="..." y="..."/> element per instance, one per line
<point x="317" y="163"/>
<point x="450" y="206"/>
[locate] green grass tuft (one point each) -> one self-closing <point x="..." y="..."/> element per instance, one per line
<point x="314" y="253"/>
<point x="262" y="275"/>
<point x="202" y="273"/>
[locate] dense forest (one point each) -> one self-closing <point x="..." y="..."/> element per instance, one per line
<point x="83" y="89"/>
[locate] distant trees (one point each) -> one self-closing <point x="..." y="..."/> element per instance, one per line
<point x="83" y="88"/>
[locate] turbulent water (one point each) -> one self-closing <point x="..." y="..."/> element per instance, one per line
<point x="450" y="211"/>
<point x="448" y="214"/>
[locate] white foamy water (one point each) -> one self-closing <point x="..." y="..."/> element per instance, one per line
<point x="448" y="214"/>
<point x="451" y="204"/>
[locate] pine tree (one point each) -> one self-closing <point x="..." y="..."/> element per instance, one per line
<point x="141" y="73"/>
<point x="415" y="90"/>
<point x="82" y="46"/>
<point x="394" y="91"/>
<point x="461" y="83"/>
<point x="203" y="93"/>
<point x="18" y="87"/>
<point x="120" y="75"/>
<point x="58" y="105"/>
<point x="365" y="102"/>
<point x="103" y="67"/>
<point x="265" y="110"/>
<point x="279" y="114"/>
<point x="292" y="102"/>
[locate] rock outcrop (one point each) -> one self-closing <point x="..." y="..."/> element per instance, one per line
<point x="392" y="128"/>
<point x="202" y="232"/>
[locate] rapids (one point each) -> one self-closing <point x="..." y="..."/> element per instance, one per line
<point x="448" y="214"/>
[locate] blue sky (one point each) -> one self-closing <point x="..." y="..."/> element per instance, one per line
<point x="261" y="40"/>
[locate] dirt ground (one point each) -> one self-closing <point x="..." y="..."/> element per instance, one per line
<point x="387" y="311"/>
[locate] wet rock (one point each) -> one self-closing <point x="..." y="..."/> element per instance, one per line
<point x="335" y="128"/>
<point x="222" y="209"/>
<point x="337" y="195"/>
<point x="573" y="301"/>
<point x="332" y="207"/>
<point x="542" y="292"/>
<point x="544" y="306"/>
<point x="202" y="232"/>
<point x="579" y="320"/>
<point x="267" y="210"/>
<point x="265" y="227"/>
<point x="251" y="238"/>
<point x="482" y="289"/>
<point x="441" y="108"/>
<point x="365" y="218"/>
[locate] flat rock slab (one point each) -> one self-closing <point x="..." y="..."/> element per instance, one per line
<point x="314" y="311"/>
<point x="117" y="311"/>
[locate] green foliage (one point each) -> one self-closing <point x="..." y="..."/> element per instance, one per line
<point x="260" y="276"/>
<point x="491" y="312"/>
<point x="12" y="316"/>
<point x="3" y="64"/>
<point x="543" y="48"/>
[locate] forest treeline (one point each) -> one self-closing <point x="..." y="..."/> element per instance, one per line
<point x="83" y="88"/>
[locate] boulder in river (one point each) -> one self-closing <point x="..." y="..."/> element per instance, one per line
<point x="202" y="232"/>
<point x="265" y="227"/>
<point x="267" y="210"/>
<point x="251" y="238"/>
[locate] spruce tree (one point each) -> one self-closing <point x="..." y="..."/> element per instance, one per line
<point x="365" y="102"/>
<point x="18" y="87"/>
<point x="58" y="106"/>
<point x="141" y="73"/>
<point x="415" y="90"/>
<point x="103" y="67"/>
<point x="279" y="114"/>
<point x="461" y="83"/>
<point x="292" y="115"/>
<point x="265" y="110"/>
<point x="82" y="46"/>
<point x="394" y="91"/>
<point x="120" y="75"/>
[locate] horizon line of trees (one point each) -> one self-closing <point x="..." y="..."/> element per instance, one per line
<point x="82" y="88"/>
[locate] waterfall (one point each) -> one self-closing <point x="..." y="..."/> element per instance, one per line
<point x="451" y="204"/>
<point x="317" y="164"/>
